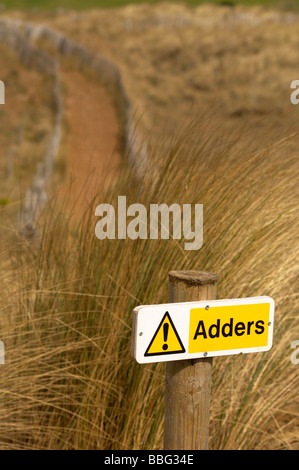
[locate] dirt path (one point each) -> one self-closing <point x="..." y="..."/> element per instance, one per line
<point x="91" y="143"/>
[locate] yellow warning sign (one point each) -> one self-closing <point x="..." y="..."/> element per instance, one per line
<point x="166" y="339"/>
<point x="229" y="327"/>
<point x="190" y="330"/>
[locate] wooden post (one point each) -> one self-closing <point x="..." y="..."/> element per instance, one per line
<point x="188" y="382"/>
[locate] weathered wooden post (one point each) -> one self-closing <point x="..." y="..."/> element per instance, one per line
<point x="188" y="382"/>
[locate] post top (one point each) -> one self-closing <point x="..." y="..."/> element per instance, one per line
<point x="199" y="278"/>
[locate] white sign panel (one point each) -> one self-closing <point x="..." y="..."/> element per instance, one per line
<point x="189" y="330"/>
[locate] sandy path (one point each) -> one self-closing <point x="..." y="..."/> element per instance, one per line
<point x="92" y="140"/>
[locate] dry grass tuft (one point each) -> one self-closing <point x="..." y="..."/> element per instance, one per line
<point x="69" y="381"/>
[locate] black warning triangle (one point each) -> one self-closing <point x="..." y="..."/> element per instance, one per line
<point x="166" y="339"/>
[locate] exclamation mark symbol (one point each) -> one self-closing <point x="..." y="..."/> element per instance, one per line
<point x="165" y="336"/>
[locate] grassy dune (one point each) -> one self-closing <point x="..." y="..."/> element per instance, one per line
<point x="66" y="304"/>
<point x="69" y="381"/>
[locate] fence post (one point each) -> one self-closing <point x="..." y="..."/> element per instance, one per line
<point x="188" y="382"/>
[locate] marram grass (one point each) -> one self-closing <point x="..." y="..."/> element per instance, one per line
<point x="69" y="381"/>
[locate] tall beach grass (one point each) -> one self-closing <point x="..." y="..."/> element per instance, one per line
<point x="69" y="381"/>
